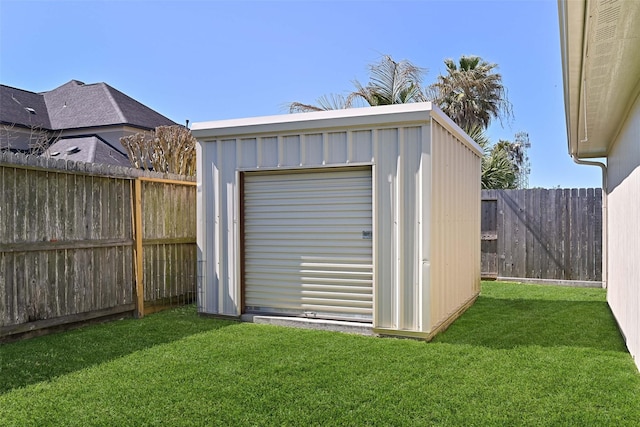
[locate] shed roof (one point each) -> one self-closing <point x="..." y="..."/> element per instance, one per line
<point x="388" y="115"/>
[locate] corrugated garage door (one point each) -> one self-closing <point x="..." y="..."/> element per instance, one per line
<point x="307" y="244"/>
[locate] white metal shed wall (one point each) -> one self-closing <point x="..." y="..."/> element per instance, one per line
<point x="397" y="192"/>
<point x="397" y="143"/>
<point x="402" y="198"/>
<point x="455" y="196"/>
<point x="431" y="217"/>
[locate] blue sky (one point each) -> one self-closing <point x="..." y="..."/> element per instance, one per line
<point x="209" y="60"/>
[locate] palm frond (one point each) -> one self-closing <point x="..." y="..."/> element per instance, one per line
<point x="299" y="107"/>
<point x="395" y="82"/>
<point x="478" y="134"/>
<point x="498" y="172"/>
<point x="390" y="82"/>
<point x="332" y="102"/>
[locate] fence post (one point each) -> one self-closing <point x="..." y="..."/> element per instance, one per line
<point x="137" y="237"/>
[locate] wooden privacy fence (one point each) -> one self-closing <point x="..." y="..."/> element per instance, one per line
<point x="82" y="241"/>
<point x="542" y="234"/>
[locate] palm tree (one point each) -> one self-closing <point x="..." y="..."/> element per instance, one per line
<point x="498" y="170"/>
<point x="390" y="82"/>
<point x="471" y="93"/>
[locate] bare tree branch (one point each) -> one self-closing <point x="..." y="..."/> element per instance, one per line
<point x="169" y="149"/>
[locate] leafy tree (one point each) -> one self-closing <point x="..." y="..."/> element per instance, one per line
<point x="471" y="93"/>
<point x="390" y="82"/>
<point x="170" y="149"/>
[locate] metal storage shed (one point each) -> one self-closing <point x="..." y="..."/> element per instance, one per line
<point x="368" y="215"/>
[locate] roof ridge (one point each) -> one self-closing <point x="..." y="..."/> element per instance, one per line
<point x="22" y="90"/>
<point x="115" y="104"/>
<point x="77" y="105"/>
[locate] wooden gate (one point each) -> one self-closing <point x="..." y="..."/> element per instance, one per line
<point x="489" y="246"/>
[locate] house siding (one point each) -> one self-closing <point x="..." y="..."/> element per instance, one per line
<point x="624" y="230"/>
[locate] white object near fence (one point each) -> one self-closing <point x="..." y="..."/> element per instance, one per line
<point x="367" y="214"/>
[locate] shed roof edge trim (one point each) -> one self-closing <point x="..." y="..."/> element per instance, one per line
<point x="439" y="116"/>
<point x="382" y="115"/>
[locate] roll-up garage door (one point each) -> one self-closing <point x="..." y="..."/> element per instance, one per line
<point x="308" y="244"/>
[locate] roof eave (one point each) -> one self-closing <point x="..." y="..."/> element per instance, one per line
<point x="571" y="20"/>
<point x="599" y="42"/>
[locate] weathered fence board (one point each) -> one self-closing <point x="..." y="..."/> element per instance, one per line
<point x="67" y="241"/>
<point x="169" y="231"/>
<point x="543" y="234"/>
<point x="59" y="244"/>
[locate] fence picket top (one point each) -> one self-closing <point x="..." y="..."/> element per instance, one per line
<point x="27" y="161"/>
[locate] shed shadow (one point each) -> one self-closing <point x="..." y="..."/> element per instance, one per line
<point x="508" y="323"/>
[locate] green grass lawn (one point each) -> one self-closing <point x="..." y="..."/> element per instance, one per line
<point x="522" y="355"/>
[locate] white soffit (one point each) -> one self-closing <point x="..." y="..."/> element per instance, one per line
<point x="601" y="65"/>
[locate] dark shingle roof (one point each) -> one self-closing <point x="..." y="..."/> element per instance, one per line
<point x="136" y="113"/>
<point x="90" y="149"/>
<point x="77" y="105"/>
<point x="23" y="108"/>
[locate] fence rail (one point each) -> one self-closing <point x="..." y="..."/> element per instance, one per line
<point x="542" y="234"/>
<point x="68" y="244"/>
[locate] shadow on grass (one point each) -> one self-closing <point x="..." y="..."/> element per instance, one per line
<point x="507" y="323"/>
<point x="40" y="359"/>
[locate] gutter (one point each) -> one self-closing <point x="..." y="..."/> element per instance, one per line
<point x="581" y="11"/>
<point x="605" y="246"/>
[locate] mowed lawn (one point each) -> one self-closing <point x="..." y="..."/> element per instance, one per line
<point x="522" y="355"/>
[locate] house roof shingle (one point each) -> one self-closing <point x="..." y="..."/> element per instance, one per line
<point x="76" y="105"/>
<point x="23" y="108"/>
<point x="89" y="149"/>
